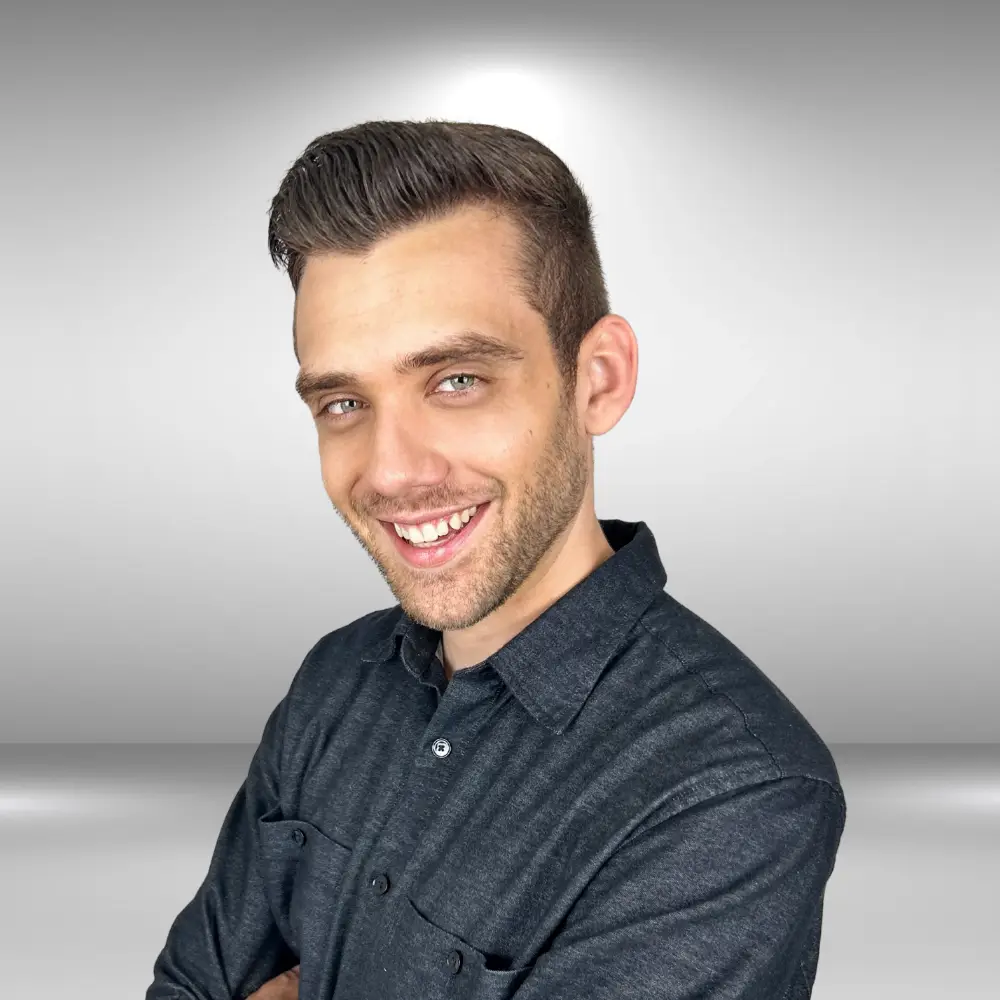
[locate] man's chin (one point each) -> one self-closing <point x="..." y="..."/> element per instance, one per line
<point x="429" y="619"/>
<point x="438" y="610"/>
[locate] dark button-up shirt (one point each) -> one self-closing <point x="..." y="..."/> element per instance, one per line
<point x="616" y="804"/>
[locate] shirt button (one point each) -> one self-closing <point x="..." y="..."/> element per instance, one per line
<point x="455" y="962"/>
<point x="380" y="883"/>
<point x="441" y="747"/>
<point x="298" y="836"/>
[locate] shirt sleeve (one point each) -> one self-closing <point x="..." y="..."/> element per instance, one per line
<point x="225" y="944"/>
<point x="722" y="901"/>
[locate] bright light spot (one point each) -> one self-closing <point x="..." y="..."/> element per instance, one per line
<point x="514" y="97"/>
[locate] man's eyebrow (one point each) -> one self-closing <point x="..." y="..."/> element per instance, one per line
<point x="465" y="346"/>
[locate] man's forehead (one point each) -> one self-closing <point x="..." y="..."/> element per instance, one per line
<point x="465" y="241"/>
<point x="333" y="303"/>
<point x="455" y="346"/>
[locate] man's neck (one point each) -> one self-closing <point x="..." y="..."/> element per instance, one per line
<point x="571" y="559"/>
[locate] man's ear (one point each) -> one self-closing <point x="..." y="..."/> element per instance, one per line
<point x="608" y="369"/>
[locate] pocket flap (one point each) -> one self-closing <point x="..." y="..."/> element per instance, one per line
<point x="426" y="950"/>
<point x="283" y="839"/>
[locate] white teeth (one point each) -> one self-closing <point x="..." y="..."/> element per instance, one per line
<point x="430" y="531"/>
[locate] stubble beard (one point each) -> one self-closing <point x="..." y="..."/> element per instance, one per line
<point x="486" y="577"/>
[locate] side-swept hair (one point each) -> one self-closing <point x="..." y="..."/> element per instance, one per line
<point x="351" y="188"/>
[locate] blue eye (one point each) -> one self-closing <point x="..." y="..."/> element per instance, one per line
<point x="325" y="413"/>
<point x="451" y="378"/>
<point x="334" y="403"/>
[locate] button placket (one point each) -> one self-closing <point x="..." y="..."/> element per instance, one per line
<point x="428" y="781"/>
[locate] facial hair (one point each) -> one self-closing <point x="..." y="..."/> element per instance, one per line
<point x="486" y="577"/>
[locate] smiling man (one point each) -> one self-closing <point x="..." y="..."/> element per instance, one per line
<point x="537" y="775"/>
<point x="449" y="442"/>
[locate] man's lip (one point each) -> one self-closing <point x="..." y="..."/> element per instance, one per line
<point x="443" y="552"/>
<point x="432" y="517"/>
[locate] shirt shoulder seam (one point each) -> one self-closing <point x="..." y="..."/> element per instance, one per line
<point x="782" y="773"/>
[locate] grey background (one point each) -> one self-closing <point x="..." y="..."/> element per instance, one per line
<point x="797" y="206"/>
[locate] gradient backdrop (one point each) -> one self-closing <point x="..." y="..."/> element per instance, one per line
<point x="798" y="207"/>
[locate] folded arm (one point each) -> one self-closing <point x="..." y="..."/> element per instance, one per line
<point x="722" y="901"/>
<point x="224" y="943"/>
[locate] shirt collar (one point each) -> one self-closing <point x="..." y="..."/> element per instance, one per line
<point x="553" y="663"/>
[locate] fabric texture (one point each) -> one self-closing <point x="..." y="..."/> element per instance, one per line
<point x="617" y="803"/>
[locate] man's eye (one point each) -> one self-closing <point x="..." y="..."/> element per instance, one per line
<point x="328" y="413"/>
<point x="453" y="378"/>
<point x="337" y="402"/>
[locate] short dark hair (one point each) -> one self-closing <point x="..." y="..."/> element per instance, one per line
<point x="351" y="188"/>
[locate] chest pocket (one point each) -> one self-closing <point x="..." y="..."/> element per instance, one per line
<point x="431" y="963"/>
<point x="302" y="869"/>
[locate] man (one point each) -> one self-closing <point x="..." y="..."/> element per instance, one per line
<point x="538" y="775"/>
